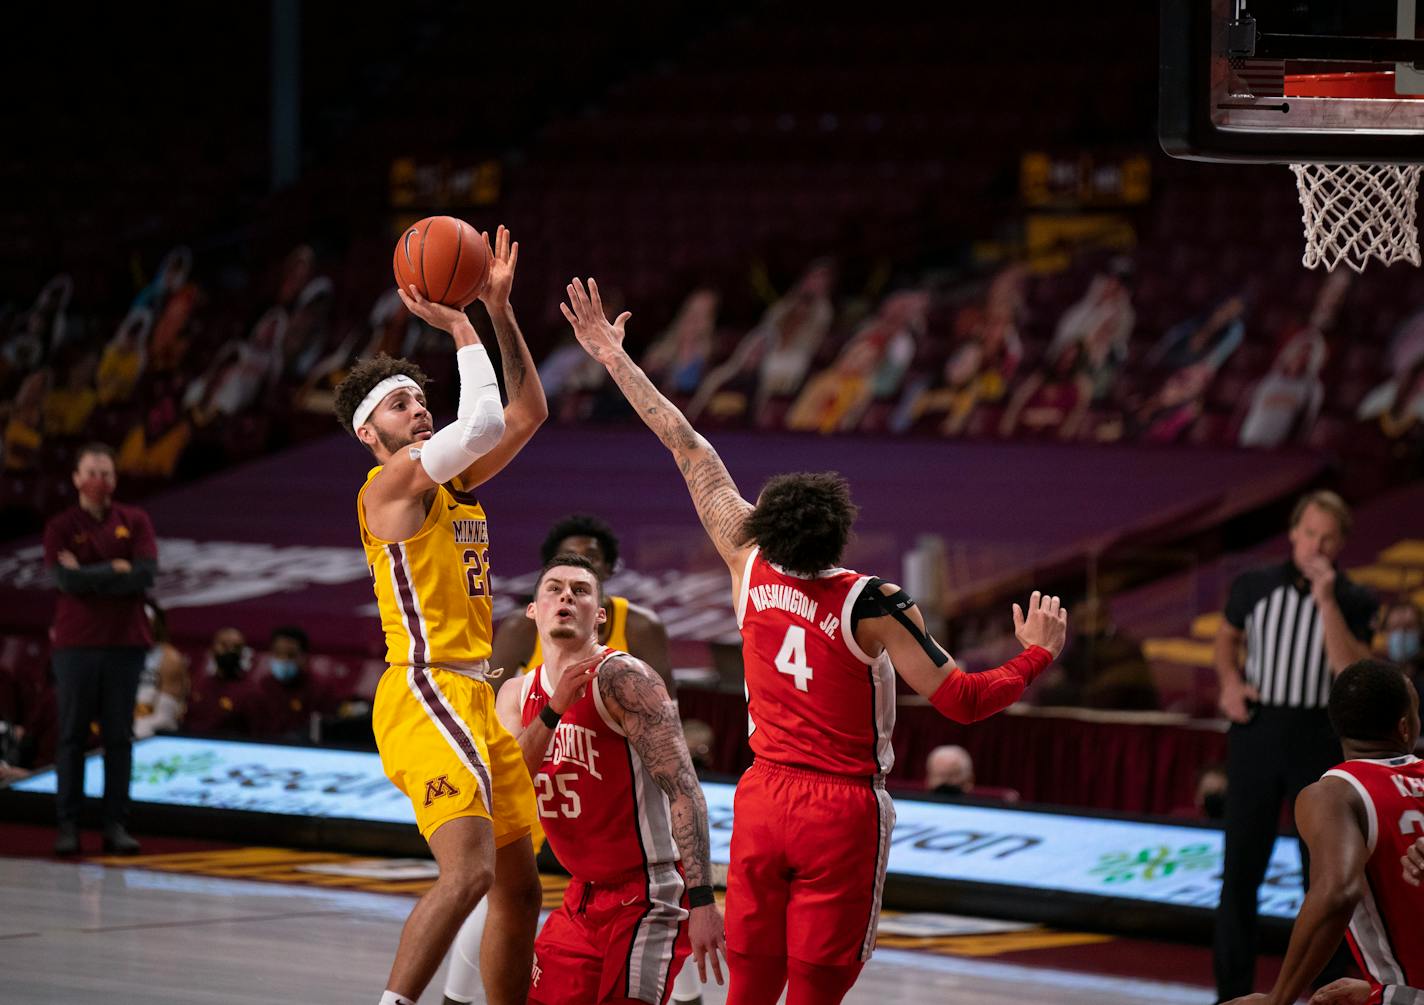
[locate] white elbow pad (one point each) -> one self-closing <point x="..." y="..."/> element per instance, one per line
<point x="479" y="426"/>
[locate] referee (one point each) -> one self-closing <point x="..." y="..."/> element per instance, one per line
<point x="1300" y="623"/>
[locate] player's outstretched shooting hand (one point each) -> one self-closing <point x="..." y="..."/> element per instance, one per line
<point x="504" y="256"/>
<point x="599" y="338"/>
<point x="1046" y="624"/>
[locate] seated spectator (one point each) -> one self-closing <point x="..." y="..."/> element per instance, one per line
<point x="1053" y="402"/>
<point x="288" y="694"/>
<point x="242" y="372"/>
<point x="1169" y="414"/>
<point x="125" y="358"/>
<point x="949" y="771"/>
<point x="1208" y="338"/>
<point x="1209" y="797"/>
<point x="164" y="685"/>
<point x="1397" y="405"/>
<point x="1287" y="400"/>
<point x="871" y="367"/>
<point x="1401" y="630"/>
<point x="154" y="445"/>
<point x="677" y="360"/>
<point x="221" y="700"/>
<point x="50" y="314"/>
<point x="305" y="344"/>
<point x="24" y="429"/>
<point x="772" y="358"/>
<point x="1106" y="309"/>
<point x="67" y="408"/>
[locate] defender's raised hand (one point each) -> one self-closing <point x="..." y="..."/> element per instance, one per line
<point x="503" y="259"/>
<point x="599" y="338"/>
<point x="1046" y="624"/>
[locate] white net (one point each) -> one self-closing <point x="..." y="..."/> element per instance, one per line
<point x="1355" y="212"/>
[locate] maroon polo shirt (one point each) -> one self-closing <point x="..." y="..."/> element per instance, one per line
<point x="95" y="619"/>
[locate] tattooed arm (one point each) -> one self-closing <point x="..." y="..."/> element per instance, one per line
<point x="527" y="408"/>
<point x="720" y="506"/>
<point x="639" y="705"/>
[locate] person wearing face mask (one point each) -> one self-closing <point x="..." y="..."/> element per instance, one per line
<point x="1402" y="636"/>
<point x="288" y="694"/>
<point x="103" y="556"/>
<point x="222" y="699"/>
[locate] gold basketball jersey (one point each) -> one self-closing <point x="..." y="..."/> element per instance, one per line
<point x="433" y="589"/>
<point x="617" y="625"/>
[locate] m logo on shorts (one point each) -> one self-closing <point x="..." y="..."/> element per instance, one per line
<point x="437" y="787"/>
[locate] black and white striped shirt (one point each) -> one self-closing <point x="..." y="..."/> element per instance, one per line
<point x="1285" y="641"/>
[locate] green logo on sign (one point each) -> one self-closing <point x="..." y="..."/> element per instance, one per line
<point x="1155" y="862"/>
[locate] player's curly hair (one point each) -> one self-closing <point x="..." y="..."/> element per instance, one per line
<point x="581" y="525"/>
<point x="802" y="521"/>
<point x="1368" y="699"/>
<point x="365" y="375"/>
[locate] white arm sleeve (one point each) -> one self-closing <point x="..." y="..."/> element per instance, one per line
<point x="479" y="423"/>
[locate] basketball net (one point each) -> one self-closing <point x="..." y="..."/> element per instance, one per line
<point x="1355" y="212"/>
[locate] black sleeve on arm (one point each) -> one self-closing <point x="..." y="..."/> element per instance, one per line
<point x="109" y="583"/>
<point x="1239" y="601"/>
<point x="873" y="604"/>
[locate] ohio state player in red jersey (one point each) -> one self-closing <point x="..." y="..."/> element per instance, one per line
<point x="620" y="804"/>
<point x="821" y="645"/>
<point x="1359" y="821"/>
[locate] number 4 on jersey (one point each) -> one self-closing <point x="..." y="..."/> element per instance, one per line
<point x="792" y="657"/>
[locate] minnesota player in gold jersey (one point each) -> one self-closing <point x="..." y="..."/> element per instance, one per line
<point x="427" y="545"/>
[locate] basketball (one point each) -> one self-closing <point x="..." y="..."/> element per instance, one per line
<point x="445" y="259"/>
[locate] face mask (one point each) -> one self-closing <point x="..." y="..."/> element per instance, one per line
<point x="95" y="490"/>
<point x="284" y="670"/>
<point x="1403" y="644"/>
<point x="233" y="663"/>
<point x="1214" y="805"/>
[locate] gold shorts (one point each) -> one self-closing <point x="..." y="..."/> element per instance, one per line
<point x="443" y="746"/>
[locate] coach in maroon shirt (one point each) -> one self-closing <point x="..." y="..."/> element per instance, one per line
<point x="103" y="556"/>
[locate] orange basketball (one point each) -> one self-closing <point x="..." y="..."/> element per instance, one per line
<point x="444" y="258"/>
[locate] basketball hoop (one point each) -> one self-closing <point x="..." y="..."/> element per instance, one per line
<point x="1355" y="212"/>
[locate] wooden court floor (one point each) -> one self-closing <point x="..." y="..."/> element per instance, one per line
<point x="87" y="932"/>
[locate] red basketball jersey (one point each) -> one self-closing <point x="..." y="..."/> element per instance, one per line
<point x="814" y="698"/>
<point x="1385" y="932"/>
<point x="600" y="807"/>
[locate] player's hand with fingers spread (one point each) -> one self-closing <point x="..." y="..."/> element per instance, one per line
<point x="600" y="339"/>
<point x="447" y="319"/>
<point x="503" y="257"/>
<point x="1413" y="862"/>
<point x="709" y="940"/>
<point x="573" y="685"/>
<point x="1345" y="991"/>
<point x="1046" y="624"/>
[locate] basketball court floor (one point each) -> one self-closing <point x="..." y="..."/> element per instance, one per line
<point x="74" y="932"/>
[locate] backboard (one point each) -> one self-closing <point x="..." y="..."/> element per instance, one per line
<point x="1292" y="81"/>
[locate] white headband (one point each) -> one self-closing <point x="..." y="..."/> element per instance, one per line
<point x="376" y="395"/>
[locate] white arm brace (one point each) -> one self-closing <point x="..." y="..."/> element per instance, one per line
<point x="479" y="423"/>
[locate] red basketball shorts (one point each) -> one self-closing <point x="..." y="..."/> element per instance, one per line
<point x="612" y="941"/>
<point x="808" y="864"/>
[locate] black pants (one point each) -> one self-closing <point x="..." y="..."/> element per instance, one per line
<point x="1269" y="760"/>
<point x="95" y="684"/>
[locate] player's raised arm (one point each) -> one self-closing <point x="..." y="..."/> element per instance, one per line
<point x="889" y="621"/>
<point x="527" y="408"/>
<point x="639" y="703"/>
<point x="720" y="506"/>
